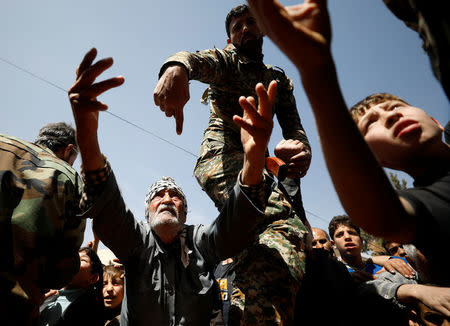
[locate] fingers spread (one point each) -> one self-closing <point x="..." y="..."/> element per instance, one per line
<point x="90" y="74"/>
<point x="100" y="87"/>
<point x="248" y="105"/>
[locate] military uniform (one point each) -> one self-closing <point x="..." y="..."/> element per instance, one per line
<point x="268" y="274"/>
<point x="40" y="233"/>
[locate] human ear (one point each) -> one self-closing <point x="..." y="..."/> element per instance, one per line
<point x="94" y="278"/>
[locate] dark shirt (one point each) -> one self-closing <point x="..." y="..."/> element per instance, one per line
<point x="431" y="201"/>
<point x="159" y="286"/>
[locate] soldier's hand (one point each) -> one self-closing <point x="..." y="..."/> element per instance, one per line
<point x="296" y="155"/>
<point x="172" y="92"/>
<point x="301" y="31"/>
<point x="256" y="127"/>
<point x="83" y="93"/>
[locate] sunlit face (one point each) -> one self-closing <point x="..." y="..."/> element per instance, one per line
<point x="112" y="290"/>
<point x="397" y="132"/>
<point x="166" y="207"/>
<point x="244" y="32"/>
<point x="320" y="240"/>
<point x="396" y="249"/>
<point x="347" y="241"/>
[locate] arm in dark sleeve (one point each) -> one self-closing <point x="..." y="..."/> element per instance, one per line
<point x="234" y="228"/>
<point x="208" y="66"/>
<point x="287" y="113"/>
<point x="113" y="223"/>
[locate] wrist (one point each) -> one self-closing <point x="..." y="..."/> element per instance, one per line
<point x="252" y="171"/>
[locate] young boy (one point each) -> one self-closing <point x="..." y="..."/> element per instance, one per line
<point x="346" y="237"/>
<point x="394" y="135"/>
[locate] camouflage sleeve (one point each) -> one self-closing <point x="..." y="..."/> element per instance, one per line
<point x="94" y="182"/>
<point x="287" y="113"/>
<point x="208" y="66"/>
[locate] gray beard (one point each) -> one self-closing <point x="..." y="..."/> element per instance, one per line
<point x="156" y="221"/>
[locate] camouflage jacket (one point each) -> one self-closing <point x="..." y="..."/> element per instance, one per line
<point x="232" y="75"/>
<point x="40" y="233"/>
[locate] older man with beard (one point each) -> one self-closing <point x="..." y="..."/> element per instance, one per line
<point x="269" y="273"/>
<point x="169" y="265"/>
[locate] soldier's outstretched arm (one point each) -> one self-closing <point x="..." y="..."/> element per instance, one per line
<point x="256" y="127"/>
<point x="85" y="106"/>
<point x="172" y="93"/>
<point x="303" y="33"/>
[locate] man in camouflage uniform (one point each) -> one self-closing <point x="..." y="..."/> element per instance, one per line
<point x="39" y="231"/>
<point x="269" y="273"/>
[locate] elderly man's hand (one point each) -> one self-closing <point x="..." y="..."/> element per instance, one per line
<point x="296" y="155"/>
<point x="256" y="127"/>
<point x="85" y="106"/>
<point x="301" y="31"/>
<point x="172" y="92"/>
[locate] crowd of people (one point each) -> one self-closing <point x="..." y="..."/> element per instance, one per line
<point x="259" y="262"/>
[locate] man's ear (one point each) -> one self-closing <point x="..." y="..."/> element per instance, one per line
<point x="228" y="41"/>
<point x="332" y="243"/>
<point x="68" y="151"/>
<point x="94" y="278"/>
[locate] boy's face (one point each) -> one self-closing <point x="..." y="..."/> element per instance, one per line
<point x="347" y="241"/>
<point x="112" y="291"/>
<point x="396" y="132"/>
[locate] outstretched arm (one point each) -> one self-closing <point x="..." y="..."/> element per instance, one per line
<point x="303" y="33"/>
<point x="85" y="106"/>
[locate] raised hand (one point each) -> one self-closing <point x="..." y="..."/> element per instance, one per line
<point x="296" y="155"/>
<point x="85" y="106"/>
<point x="256" y="127"/>
<point x="172" y="92"/>
<point x="83" y="93"/>
<point x="301" y="31"/>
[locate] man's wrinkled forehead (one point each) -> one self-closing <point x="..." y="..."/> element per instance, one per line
<point x="166" y="183"/>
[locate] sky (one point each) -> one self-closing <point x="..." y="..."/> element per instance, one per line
<point x="373" y="51"/>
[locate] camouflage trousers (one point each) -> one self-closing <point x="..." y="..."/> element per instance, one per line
<point x="268" y="273"/>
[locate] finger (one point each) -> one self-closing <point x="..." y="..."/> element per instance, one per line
<point x="88" y="76"/>
<point x="302" y="156"/>
<point x="264" y="107"/>
<point x="101" y="87"/>
<point x="169" y="111"/>
<point x="381" y="271"/>
<point x="179" y="119"/>
<point x="248" y="108"/>
<point x="244" y="124"/>
<point x="272" y="91"/>
<point x="87" y="61"/>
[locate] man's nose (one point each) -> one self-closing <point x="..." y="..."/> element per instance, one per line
<point x="391" y="118"/>
<point x="166" y="198"/>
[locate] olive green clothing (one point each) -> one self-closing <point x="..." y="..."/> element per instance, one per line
<point x="268" y="273"/>
<point x="40" y="233"/>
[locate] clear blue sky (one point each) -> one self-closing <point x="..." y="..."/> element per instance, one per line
<point x="373" y="51"/>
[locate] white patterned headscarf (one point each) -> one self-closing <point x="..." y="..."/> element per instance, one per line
<point x="164" y="183"/>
